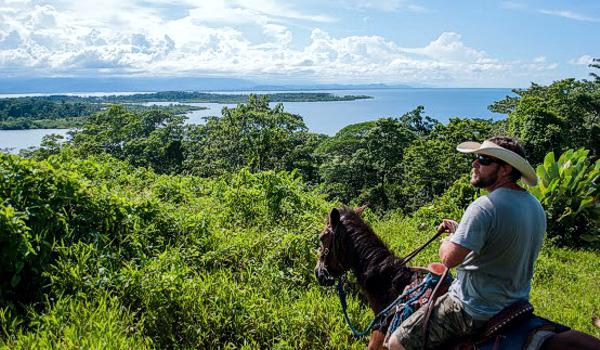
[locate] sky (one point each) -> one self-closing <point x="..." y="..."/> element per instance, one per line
<point x="433" y="43"/>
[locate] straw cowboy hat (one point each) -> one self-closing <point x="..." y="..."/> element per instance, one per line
<point x="488" y="148"/>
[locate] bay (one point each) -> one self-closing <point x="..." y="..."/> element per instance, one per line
<point x="15" y="140"/>
<point x="329" y="117"/>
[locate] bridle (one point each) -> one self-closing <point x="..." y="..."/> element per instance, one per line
<point x="332" y="247"/>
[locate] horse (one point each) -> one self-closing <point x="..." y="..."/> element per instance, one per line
<point x="347" y="243"/>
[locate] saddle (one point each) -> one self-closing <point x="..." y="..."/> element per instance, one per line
<point x="514" y="328"/>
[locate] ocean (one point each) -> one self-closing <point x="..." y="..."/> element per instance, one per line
<point x="329" y="117"/>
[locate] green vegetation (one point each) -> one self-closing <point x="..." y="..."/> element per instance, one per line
<point x="251" y="135"/>
<point x="569" y="191"/>
<point x="39" y="113"/>
<point x="557" y="117"/>
<point x="172" y="108"/>
<point x="144" y="232"/>
<point x="28" y="123"/>
<point x="34" y="112"/>
<point x="151" y="139"/>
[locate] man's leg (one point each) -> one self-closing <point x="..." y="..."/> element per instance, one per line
<point x="448" y="322"/>
<point x="395" y="344"/>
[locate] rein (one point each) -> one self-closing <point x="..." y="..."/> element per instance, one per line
<point x="380" y="317"/>
<point x="414" y="253"/>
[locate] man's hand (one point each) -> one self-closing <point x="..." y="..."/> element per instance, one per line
<point x="448" y="225"/>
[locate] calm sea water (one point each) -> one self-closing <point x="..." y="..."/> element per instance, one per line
<point x="330" y="117"/>
<point x="15" y="140"/>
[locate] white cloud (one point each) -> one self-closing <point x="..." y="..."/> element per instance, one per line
<point x="279" y="33"/>
<point x="240" y="38"/>
<point x="570" y="15"/>
<point x="583" y="60"/>
<point x="449" y="47"/>
<point x="388" y="6"/>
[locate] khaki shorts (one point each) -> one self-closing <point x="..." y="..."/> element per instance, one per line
<point x="448" y="322"/>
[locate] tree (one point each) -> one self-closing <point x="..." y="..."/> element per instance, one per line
<point x="562" y="115"/>
<point x="432" y="164"/>
<point x="363" y="162"/>
<point x="251" y="135"/>
<point x="417" y="122"/>
<point x="151" y="139"/>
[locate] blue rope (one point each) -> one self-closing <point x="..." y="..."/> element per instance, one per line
<point x="429" y="281"/>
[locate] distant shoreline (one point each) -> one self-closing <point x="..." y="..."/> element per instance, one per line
<point x="226" y="91"/>
<point x="72" y="111"/>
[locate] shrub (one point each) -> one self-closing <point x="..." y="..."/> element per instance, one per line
<point x="45" y="209"/>
<point x="80" y="324"/>
<point x="266" y="199"/>
<point x="255" y="307"/>
<point x="568" y="189"/>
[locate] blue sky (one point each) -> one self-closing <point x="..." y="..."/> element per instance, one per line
<point x="423" y="43"/>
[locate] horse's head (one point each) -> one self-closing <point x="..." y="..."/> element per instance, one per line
<point x="335" y="249"/>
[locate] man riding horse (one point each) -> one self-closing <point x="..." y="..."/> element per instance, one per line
<point x="494" y="248"/>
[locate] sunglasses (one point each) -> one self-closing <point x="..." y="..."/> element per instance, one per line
<point x="485" y="160"/>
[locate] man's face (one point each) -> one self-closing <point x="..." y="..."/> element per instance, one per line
<point x="484" y="172"/>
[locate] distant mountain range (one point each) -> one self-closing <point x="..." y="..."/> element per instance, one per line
<point x="62" y="85"/>
<point x="305" y="87"/>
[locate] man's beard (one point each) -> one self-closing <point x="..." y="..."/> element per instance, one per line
<point x="483" y="182"/>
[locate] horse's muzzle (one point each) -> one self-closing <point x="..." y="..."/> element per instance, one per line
<point x="323" y="276"/>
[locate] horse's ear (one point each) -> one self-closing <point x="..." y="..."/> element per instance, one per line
<point x="334" y="218"/>
<point x="359" y="211"/>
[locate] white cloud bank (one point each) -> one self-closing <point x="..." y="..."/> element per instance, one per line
<point x="244" y="38"/>
<point x="584" y="60"/>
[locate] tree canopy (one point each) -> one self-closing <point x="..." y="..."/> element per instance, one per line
<point x="251" y="135"/>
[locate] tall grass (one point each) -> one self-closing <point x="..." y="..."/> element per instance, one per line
<point x="138" y="260"/>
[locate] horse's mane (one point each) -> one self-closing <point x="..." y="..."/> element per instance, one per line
<point x="381" y="266"/>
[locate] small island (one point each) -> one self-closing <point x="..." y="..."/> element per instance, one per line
<point x="66" y="111"/>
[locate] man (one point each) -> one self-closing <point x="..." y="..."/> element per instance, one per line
<point x="494" y="246"/>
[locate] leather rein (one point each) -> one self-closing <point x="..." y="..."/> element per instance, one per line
<point x="414" y="253"/>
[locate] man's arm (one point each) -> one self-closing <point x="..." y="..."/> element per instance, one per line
<point x="451" y="254"/>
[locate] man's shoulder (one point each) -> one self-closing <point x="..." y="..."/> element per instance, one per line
<point x="511" y="195"/>
<point x="509" y="201"/>
<point x="484" y="202"/>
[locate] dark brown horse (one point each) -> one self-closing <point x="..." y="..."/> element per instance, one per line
<point x="349" y="244"/>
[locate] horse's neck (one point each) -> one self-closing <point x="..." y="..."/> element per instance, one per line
<point x="380" y="274"/>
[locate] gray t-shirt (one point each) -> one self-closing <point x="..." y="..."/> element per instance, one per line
<point x="504" y="231"/>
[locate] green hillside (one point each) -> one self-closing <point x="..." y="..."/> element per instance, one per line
<point x="143" y="232"/>
<point x="112" y="256"/>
